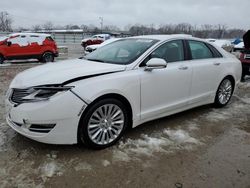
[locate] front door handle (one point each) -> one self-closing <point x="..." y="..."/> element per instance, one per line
<point x="217" y="63"/>
<point x="183" y="67"/>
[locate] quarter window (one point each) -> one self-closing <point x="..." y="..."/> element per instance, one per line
<point x="199" y="50"/>
<point x="216" y="53"/>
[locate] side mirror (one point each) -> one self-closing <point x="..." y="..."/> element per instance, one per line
<point x="9" y="43"/>
<point x="155" y="63"/>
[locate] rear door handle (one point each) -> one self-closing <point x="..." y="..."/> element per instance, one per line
<point x="216" y="63"/>
<point x="183" y="67"/>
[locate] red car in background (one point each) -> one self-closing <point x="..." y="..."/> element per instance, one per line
<point x="96" y="39"/>
<point x="28" y="46"/>
<point x="245" y="55"/>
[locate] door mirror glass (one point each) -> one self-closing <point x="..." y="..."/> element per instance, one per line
<point x="155" y="63"/>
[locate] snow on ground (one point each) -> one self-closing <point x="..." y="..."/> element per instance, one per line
<point x="170" y="140"/>
<point x="192" y="125"/>
<point x="233" y="109"/>
<point x="6" y="135"/>
<point x="105" y="163"/>
<point x="227" y="113"/>
<point x="5" y="64"/>
<point x="165" y="142"/>
<point x="9" y="177"/>
<point x="83" y="166"/>
<point x="48" y="169"/>
<point x="120" y="156"/>
<point x="246" y="100"/>
<point x="244" y="85"/>
<point x="180" y="136"/>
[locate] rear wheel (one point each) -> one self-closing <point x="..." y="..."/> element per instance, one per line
<point x="224" y="93"/>
<point x="103" y="124"/>
<point x="47" y="57"/>
<point x="1" y="59"/>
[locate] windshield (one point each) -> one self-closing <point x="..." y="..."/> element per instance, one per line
<point x="121" y="52"/>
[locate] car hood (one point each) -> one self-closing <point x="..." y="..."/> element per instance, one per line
<point x="246" y="39"/>
<point x="63" y="72"/>
<point x="86" y="39"/>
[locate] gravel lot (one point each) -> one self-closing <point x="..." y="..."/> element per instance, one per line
<point x="202" y="147"/>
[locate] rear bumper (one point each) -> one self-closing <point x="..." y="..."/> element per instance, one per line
<point x="56" y="54"/>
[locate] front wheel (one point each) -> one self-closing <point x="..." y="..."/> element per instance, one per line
<point x="47" y="57"/>
<point x="224" y="93"/>
<point x="103" y="124"/>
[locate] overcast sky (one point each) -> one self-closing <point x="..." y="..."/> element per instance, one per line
<point x="123" y="12"/>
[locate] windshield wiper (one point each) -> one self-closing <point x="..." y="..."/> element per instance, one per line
<point x="97" y="60"/>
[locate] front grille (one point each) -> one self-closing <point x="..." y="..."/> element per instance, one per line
<point x="18" y="94"/>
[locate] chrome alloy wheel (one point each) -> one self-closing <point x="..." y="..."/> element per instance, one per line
<point x="225" y="91"/>
<point x="105" y="124"/>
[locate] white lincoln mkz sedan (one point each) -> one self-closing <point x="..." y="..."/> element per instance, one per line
<point x="94" y="99"/>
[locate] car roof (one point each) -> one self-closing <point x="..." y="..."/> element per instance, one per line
<point x="102" y="35"/>
<point x="165" y="37"/>
<point x="27" y="34"/>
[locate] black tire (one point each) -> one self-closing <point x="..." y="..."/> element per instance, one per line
<point x="48" y="57"/>
<point x="222" y="91"/>
<point x="1" y="59"/>
<point x="243" y="77"/>
<point x="83" y="129"/>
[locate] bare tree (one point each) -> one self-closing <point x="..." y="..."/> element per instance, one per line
<point x="234" y="33"/>
<point x="203" y="31"/>
<point x="22" y="29"/>
<point x="93" y="28"/>
<point x="75" y="27"/>
<point x="5" y="22"/>
<point x="70" y="26"/>
<point x="221" y="30"/>
<point x="110" y="28"/>
<point x="84" y="27"/>
<point x="48" y="26"/>
<point x="36" y="28"/>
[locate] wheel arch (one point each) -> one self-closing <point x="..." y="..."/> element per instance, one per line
<point x="231" y="77"/>
<point x="47" y="51"/>
<point x="117" y="96"/>
<point x="2" y="55"/>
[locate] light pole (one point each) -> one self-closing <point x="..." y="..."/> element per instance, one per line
<point x="101" y="22"/>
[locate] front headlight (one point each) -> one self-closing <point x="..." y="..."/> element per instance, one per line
<point x="42" y="93"/>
